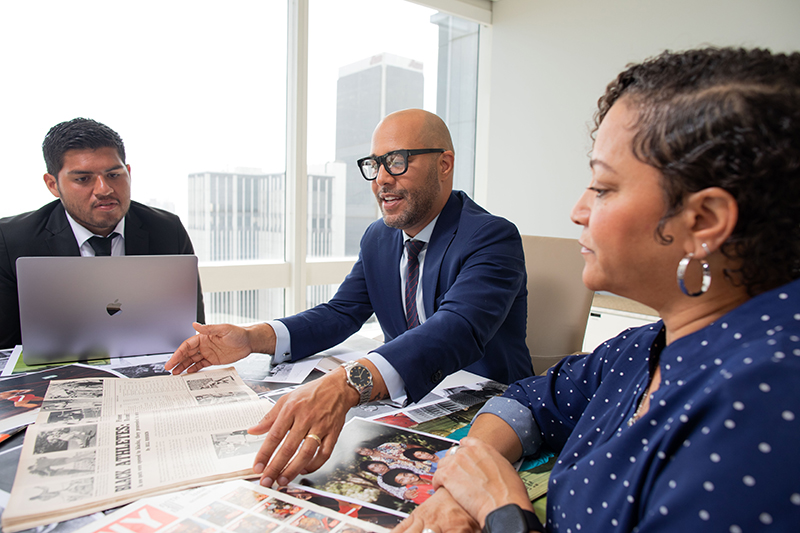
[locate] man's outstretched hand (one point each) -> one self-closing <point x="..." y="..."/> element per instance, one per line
<point x="220" y="344"/>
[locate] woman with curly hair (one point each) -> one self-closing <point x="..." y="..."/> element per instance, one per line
<point x="691" y="423"/>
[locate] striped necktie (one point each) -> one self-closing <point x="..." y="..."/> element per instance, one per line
<point x="412" y="280"/>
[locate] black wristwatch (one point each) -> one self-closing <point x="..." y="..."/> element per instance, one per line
<point x="360" y="378"/>
<point x="511" y="518"/>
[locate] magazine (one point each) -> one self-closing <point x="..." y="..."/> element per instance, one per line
<point x="241" y="507"/>
<point x="21" y="396"/>
<point x="102" y="442"/>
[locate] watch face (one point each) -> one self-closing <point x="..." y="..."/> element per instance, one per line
<point x="360" y="376"/>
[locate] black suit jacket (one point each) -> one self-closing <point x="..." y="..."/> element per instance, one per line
<point x="46" y="232"/>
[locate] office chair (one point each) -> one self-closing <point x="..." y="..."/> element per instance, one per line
<point x="558" y="301"/>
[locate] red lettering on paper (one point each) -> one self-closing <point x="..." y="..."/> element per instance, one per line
<point x="145" y="519"/>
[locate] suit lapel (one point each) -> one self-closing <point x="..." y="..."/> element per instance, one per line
<point x="137" y="241"/>
<point x="59" y="236"/>
<point x="443" y="234"/>
<point x="390" y="249"/>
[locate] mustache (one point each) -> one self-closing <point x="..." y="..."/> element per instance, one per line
<point x="384" y="191"/>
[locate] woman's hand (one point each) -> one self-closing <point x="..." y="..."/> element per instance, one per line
<point x="440" y="513"/>
<point x="480" y="479"/>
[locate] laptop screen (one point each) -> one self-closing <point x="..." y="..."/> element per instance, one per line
<point x="82" y="308"/>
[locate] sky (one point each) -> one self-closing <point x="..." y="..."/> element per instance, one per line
<point x="191" y="86"/>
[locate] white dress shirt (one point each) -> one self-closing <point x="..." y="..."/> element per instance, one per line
<point x="394" y="383"/>
<point x="82" y="236"/>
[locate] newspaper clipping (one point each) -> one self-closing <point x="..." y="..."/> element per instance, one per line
<point x="101" y="442"/>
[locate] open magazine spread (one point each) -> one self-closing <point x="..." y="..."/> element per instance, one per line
<point x="102" y="442"/>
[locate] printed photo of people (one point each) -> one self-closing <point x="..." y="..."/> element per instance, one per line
<point x="75" y="464"/>
<point x="22" y="394"/>
<point x="220" y="397"/>
<point x="65" y="438"/>
<point x="74" y="416"/>
<point x="146" y="370"/>
<point x="279" y="509"/>
<point x="238" y="442"/>
<point x="315" y="522"/>
<point x="85" y="388"/>
<point x="244" y="498"/>
<point x="383" y="465"/>
<point x="204" y="383"/>
<point x="70" y="491"/>
<point x="361" y="510"/>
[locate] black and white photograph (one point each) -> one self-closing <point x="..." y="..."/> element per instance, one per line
<point x="236" y="443"/>
<point x="65" y="438"/>
<point x="79" y="463"/>
<point x="69" y="491"/>
<point x="73" y="416"/>
<point x="86" y="388"/>
<point x="204" y="383"/>
<point x="220" y="397"/>
<point x="82" y="404"/>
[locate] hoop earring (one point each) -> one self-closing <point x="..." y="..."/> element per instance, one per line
<point x="706" y="274"/>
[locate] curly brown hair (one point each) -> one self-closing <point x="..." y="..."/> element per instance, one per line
<point x="729" y="118"/>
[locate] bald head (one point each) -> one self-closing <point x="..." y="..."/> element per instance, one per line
<point x="428" y="129"/>
<point x="412" y="199"/>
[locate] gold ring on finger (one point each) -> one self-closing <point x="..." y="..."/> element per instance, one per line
<point x="316" y="438"/>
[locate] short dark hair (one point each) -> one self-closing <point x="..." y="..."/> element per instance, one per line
<point x="389" y="476"/>
<point x="364" y="465"/>
<point x="78" y="134"/>
<point x="409" y="452"/>
<point x="728" y="118"/>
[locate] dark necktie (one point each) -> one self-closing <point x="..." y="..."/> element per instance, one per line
<point x="412" y="280"/>
<point x="102" y="245"/>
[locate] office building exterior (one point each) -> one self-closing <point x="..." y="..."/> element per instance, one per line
<point x="241" y="216"/>
<point x="367" y="91"/>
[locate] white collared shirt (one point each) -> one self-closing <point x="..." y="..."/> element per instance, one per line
<point x="82" y="236"/>
<point x="394" y="383"/>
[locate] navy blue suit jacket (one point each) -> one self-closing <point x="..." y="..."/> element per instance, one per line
<point x="46" y="232"/>
<point x="475" y="297"/>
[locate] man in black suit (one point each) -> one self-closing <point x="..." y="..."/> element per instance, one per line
<point x="94" y="214"/>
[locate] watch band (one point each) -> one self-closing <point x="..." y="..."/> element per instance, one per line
<point x="511" y="518"/>
<point x="364" y="389"/>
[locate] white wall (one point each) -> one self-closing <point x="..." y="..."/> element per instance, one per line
<point x="551" y="61"/>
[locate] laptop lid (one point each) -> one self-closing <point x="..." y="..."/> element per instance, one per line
<point x="81" y="308"/>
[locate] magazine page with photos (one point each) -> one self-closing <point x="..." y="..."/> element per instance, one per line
<point x="382" y="465"/>
<point x="237" y="507"/>
<point x="101" y="442"/>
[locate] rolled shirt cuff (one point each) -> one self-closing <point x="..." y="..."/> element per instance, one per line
<point x="519" y="418"/>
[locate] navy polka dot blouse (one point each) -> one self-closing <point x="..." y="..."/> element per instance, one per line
<point x="718" y="450"/>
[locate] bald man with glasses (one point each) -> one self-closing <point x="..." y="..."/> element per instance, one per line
<point x="445" y="278"/>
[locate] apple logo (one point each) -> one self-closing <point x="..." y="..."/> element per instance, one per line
<point x="114" y="307"/>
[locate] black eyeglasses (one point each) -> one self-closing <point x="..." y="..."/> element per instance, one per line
<point x="395" y="162"/>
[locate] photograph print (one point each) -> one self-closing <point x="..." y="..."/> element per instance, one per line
<point x="382" y="465"/>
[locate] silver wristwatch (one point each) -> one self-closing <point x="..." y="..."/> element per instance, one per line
<point x="360" y="378"/>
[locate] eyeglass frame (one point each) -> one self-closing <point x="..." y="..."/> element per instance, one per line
<point x="381" y="160"/>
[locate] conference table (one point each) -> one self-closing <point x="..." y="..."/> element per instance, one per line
<point x="535" y="477"/>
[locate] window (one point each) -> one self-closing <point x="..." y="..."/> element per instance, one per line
<point x="367" y="59"/>
<point x="199" y="92"/>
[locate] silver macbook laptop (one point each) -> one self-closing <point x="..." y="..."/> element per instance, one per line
<point x="82" y="308"/>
